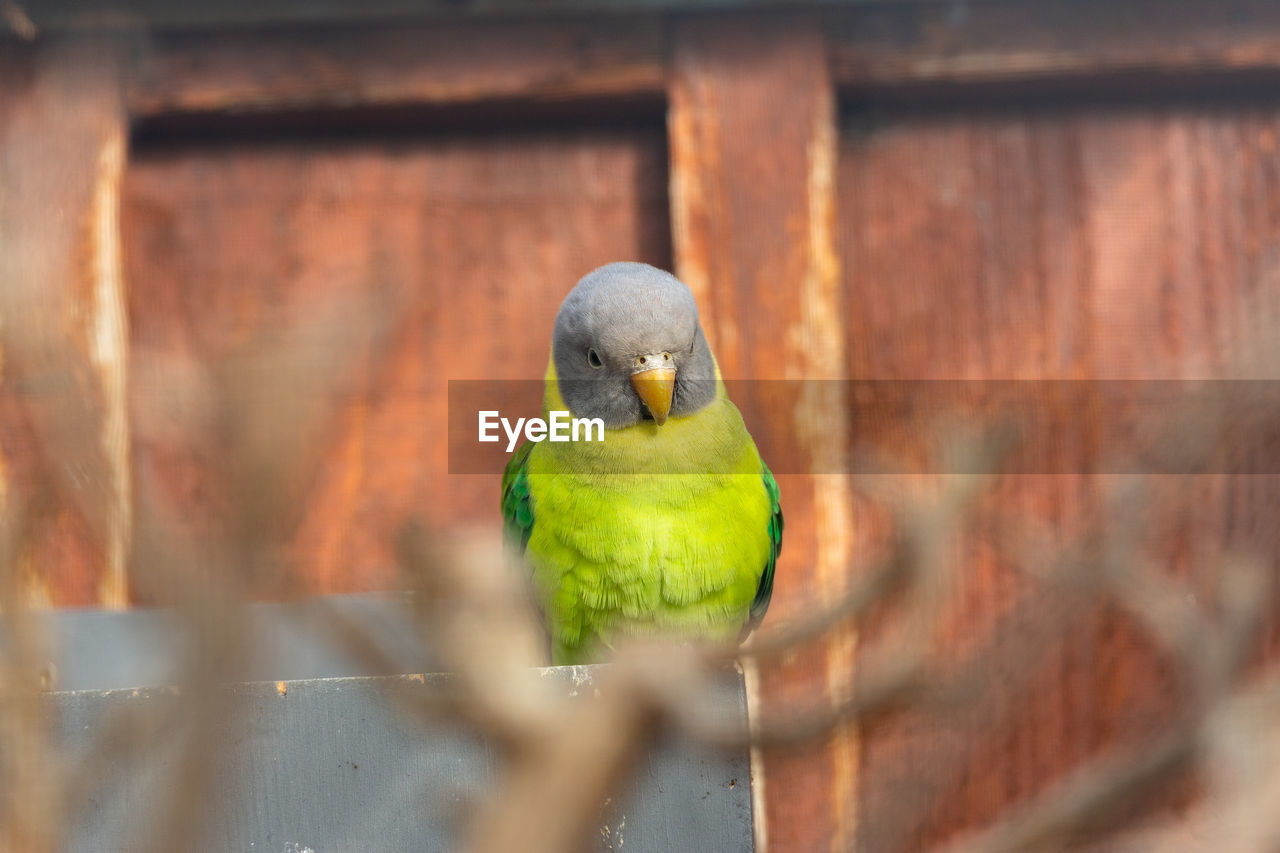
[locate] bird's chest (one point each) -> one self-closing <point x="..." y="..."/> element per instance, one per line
<point x="642" y="545"/>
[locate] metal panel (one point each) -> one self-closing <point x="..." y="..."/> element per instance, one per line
<point x="337" y="764"/>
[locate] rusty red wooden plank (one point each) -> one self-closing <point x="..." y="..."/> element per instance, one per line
<point x="752" y="127"/>
<point x="471" y="239"/>
<point x="63" y="440"/>
<point x="1064" y="243"/>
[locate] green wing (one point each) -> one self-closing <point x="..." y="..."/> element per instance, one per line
<point x="764" y="591"/>
<point x="517" y="509"/>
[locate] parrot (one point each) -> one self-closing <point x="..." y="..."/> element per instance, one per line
<point x="670" y="525"/>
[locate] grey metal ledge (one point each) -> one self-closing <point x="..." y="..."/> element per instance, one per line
<point x="336" y="764"/>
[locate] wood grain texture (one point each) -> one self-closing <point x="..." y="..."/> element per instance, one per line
<point x="1058" y="243"/>
<point x="753" y="147"/>
<point x="60" y="15"/>
<point x="62" y="400"/>
<point x="1116" y="240"/>
<point x="419" y="65"/>
<point x="471" y="241"/>
<point x="907" y="44"/>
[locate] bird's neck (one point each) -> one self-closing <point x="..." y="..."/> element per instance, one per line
<point x="712" y="440"/>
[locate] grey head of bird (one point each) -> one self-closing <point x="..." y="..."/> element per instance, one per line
<point x="628" y="347"/>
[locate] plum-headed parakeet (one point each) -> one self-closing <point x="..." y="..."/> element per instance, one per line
<point x="670" y="524"/>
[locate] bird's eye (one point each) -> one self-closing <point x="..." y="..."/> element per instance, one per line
<point x="593" y="359"/>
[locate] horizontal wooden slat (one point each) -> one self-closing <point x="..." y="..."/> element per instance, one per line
<point x="342" y="68"/>
<point x="904" y="44"/>
<point x="68" y="14"/>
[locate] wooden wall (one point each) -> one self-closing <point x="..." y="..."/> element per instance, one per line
<point x="470" y="238"/>
<point x="984" y="191"/>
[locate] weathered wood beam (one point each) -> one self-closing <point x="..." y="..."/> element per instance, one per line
<point x="927" y="43"/>
<point x="66" y="443"/>
<point x="752" y="133"/>
<point x="57" y="15"/>
<point x="443" y="65"/>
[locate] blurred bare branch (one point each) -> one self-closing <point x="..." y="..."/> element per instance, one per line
<point x="18" y="20"/>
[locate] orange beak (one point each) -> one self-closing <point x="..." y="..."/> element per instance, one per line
<point x="655" y="388"/>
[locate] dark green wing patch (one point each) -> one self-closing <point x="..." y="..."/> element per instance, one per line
<point x="517" y="509"/>
<point x="764" y="592"/>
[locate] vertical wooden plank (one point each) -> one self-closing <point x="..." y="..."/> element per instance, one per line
<point x="1078" y="242"/>
<point x="65" y="440"/>
<point x="753" y="154"/>
<point x="968" y="258"/>
<point x="16" y="65"/>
